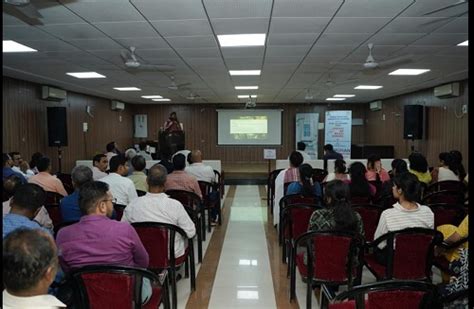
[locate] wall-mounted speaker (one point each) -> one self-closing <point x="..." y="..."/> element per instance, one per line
<point x="413" y="121"/>
<point x="57" y="126"/>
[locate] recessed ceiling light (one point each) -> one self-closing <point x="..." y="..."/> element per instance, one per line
<point x="161" y="100"/>
<point x="10" y="46"/>
<point x="344" y="95"/>
<point x="127" y="89"/>
<point x="234" y="40"/>
<point x="335" y="99"/>
<point x="408" y="72"/>
<point x="152" y="97"/>
<point x="465" y="43"/>
<point x="370" y="87"/>
<point x="246" y="87"/>
<point x="86" y="75"/>
<point x="244" y="72"/>
<point x="246" y="96"/>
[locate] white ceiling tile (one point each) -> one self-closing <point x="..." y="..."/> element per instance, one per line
<point x="240" y="25"/>
<point x="283" y="60"/>
<point x="25" y="33"/>
<point x="395" y="38"/>
<point x="370" y="8"/>
<point x="421" y="7"/>
<point x="414" y="25"/>
<point x="356" y="24"/>
<point x="298" y="25"/>
<point x="342" y="38"/>
<point x="73" y="31"/>
<point x="291" y="39"/>
<point x="154" y="42"/>
<point x="170" y="9"/>
<point x="149" y="54"/>
<point x="127" y="29"/>
<point x="96" y="44"/>
<point x="458" y="25"/>
<point x="48" y="45"/>
<point x="448" y="39"/>
<point x="183" y="27"/>
<point x="199" y="52"/>
<point x="238" y="9"/>
<point x="330" y="50"/>
<point x="305" y="8"/>
<point x="10" y="20"/>
<point x="105" y="11"/>
<point x="192" y="41"/>
<point x="250" y="63"/>
<point x="242" y="52"/>
<point x="287" y="51"/>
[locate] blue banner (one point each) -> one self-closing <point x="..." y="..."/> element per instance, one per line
<point x="307" y="132"/>
<point x="338" y="131"/>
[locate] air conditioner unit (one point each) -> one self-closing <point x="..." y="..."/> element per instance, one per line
<point x="447" y="91"/>
<point x="375" y="106"/>
<point x="118" y="106"/>
<point x="53" y="94"/>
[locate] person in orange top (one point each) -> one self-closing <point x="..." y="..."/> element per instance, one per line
<point x="44" y="178"/>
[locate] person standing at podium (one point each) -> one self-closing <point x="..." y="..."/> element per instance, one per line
<point x="172" y="124"/>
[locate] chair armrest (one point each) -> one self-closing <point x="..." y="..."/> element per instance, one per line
<point x="453" y="245"/>
<point x="162" y="277"/>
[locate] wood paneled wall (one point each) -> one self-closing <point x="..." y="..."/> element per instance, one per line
<point x="446" y="127"/>
<point x="25" y="124"/>
<point x="25" y="130"/>
<point x="200" y="126"/>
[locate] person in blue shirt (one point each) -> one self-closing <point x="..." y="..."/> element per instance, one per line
<point x="305" y="186"/>
<point x="7" y="169"/>
<point x="25" y="205"/>
<point x="69" y="206"/>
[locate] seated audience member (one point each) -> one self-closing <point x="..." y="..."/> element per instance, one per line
<point x="181" y="150"/>
<point x="69" y="205"/>
<point x="156" y="206"/>
<point x="339" y="172"/>
<point x="30" y="265"/>
<point x="359" y="185"/>
<point x="111" y="151"/>
<point x="300" y="147"/>
<point x="122" y="188"/>
<point x="143" y="152"/>
<point x="457" y="162"/>
<point x="7" y="168"/>
<point x="10" y="185"/>
<point x="179" y="179"/>
<point x="452" y="234"/>
<point x="286" y="176"/>
<point x="419" y="167"/>
<point x="34" y="161"/>
<point x="375" y="171"/>
<point x="165" y="160"/>
<point x="138" y="176"/>
<point x="130" y="153"/>
<point x="19" y="165"/>
<point x="25" y="205"/>
<point x="199" y="170"/>
<point x="457" y="283"/>
<point x="330" y="153"/>
<point x="399" y="166"/>
<point x="100" y="163"/>
<point x="97" y="239"/>
<point x="406" y="213"/>
<point x="305" y="186"/>
<point x="25" y="169"/>
<point x="44" y="178"/>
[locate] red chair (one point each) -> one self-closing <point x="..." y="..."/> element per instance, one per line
<point x="220" y="182"/>
<point x="52" y="206"/>
<point x="119" y="208"/>
<point x="444" y="196"/>
<point x="294" y="199"/>
<point x="193" y="206"/>
<point x="209" y="203"/>
<point x="447" y="214"/>
<point x="319" y="174"/>
<point x="391" y="294"/>
<point x="118" y="287"/>
<point x="271" y="187"/>
<point x="334" y="259"/>
<point x="412" y="259"/>
<point x="66" y="179"/>
<point x="294" y="223"/>
<point x="361" y="200"/>
<point x="450" y="185"/>
<point x="370" y="214"/>
<point x="159" y="241"/>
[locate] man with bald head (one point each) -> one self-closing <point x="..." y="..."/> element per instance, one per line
<point x="198" y="169"/>
<point x="156" y="206"/>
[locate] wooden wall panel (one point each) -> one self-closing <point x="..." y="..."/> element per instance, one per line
<point x="446" y="128"/>
<point x="25" y="124"/>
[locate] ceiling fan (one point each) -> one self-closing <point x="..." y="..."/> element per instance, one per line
<point x="131" y="62"/>
<point x="23" y="10"/>
<point x="174" y="86"/>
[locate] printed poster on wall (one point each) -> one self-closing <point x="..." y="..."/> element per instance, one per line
<point x="307" y="132"/>
<point x="338" y="131"/>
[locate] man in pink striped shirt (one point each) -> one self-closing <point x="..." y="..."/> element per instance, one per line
<point x="179" y="179"/>
<point x="44" y="178"/>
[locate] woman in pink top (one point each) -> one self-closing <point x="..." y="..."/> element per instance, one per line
<point x="375" y="171"/>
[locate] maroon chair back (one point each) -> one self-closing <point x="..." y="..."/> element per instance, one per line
<point x="67" y="182"/>
<point x="117" y="287"/>
<point x="271" y="187"/>
<point x="119" y="211"/>
<point x="190" y="200"/>
<point x="53" y="198"/>
<point x="155" y="241"/>
<point x="444" y="196"/>
<point x="450" y="185"/>
<point x="333" y="266"/>
<point x="54" y="213"/>
<point x="370" y="214"/>
<point x="447" y="214"/>
<point x="360" y="200"/>
<point x="319" y="174"/>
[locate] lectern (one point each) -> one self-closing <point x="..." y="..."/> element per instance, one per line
<point x="170" y="141"/>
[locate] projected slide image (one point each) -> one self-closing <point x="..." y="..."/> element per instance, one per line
<point x="249" y="127"/>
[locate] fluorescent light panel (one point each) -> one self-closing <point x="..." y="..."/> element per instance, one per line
<point x="244" y="72"/>
<point x="10" y="46"/>
<point x="408" y="72"/>
<point x="85" y="75"/>
<point x="368" y="87"/>
<point x="235" y="40"/>
<point x="335" y="99"/>
<point x="161" y="100"/>
<point x="344" y="95"/>
<point x="152" y="97"/>
<point x="465" y="43"/>
<point x="246" y="96"/>
<point x="246" y="87"/>
<point x="127" y="89"/>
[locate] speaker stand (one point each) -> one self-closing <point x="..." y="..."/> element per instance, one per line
<point x="59" y="158"/>
<point x="412" y="145"/>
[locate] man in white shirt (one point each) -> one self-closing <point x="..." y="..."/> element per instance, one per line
<point x="143" y="153"/>
<point x="20" y="166"/>
<point x="156" y="206"/>
<point x="100" y="163"/>
<point x="198" y="169"/>
<point x="182" y="151"/>
<point x="121" y="187"/>
<point x="111" y="151"/>
<point x="30" y="264"/>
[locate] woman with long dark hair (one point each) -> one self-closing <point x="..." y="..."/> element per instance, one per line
<point x="358" y="184"/>
<point x="419" y="167"/>
<point x="458" y="167"/>
<point x="305" y="186"/>
<point x="339" y="171"/>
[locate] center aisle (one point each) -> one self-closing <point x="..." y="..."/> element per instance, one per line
<point x="244" y="277"/>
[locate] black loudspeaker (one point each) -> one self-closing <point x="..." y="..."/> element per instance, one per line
<point x="57" y="126"/>
<point x="413" y="122"/>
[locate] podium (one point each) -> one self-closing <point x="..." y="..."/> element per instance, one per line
<point x="170" y="141"/>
